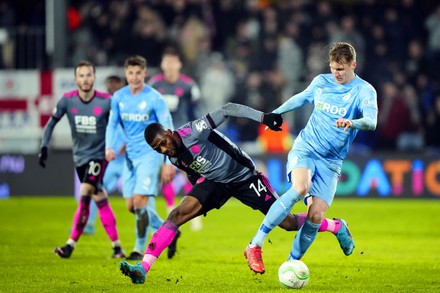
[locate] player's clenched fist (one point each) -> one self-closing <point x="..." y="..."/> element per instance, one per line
<point x="110" y="154"/>
<point x="345" y="123"/>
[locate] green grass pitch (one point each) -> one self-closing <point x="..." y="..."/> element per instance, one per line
<point x="397" y="250"/>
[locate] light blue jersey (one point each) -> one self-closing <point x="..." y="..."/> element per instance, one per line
<point x="354" y="100"/>
<point x="135" y="113"/>
<point x="321" y="146"/>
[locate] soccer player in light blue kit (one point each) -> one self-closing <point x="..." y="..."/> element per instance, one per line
<point x="344" y="104"/>
<point x="135" y="106"/>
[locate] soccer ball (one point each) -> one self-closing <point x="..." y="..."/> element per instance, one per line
<point x="293" y="274"/>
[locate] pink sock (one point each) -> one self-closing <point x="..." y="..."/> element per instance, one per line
<point x="169" y="194"/>
<point x="80" y="218"/>
<point x="326" y="225"/>
<point x="160" y="240"/>
<point x="108" y="219"/>
<point x="330" y="225"/>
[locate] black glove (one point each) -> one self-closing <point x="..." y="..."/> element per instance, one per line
<point x="273" y="121"/>
<point x="42" y="157"/>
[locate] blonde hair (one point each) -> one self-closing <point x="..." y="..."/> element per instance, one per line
<point x="341" y="52"/>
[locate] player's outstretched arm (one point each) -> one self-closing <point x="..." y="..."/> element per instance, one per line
<point x="217" y="117"/>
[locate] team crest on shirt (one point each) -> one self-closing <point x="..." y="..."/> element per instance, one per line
<point x="318" y="93"/>
<point x="346" y="97"/>
<point x="142" y="105"/>
<point x="201" y="125"/>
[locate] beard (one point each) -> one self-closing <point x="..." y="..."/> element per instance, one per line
<point x="86" y="88"/>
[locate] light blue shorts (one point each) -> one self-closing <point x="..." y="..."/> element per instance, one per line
<point x="324" y="175"/>
<point x="142" y="176"/>
<point x="113" y="173"/>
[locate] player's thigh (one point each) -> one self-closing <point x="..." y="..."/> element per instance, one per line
<point x="256" y="192"/>
<point x="300" y="169"/>
<point x="211" y="195"/>
<point x="324" y="183"/>
<point x="128" y="181"/>
<point x="112" y="173"/>
<point x="91" y="174"/>
<point x="147" y="174"/>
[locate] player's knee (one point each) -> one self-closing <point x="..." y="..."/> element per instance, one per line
<point x="301" y="188"/>
<point x="130" y="207"/>
<point x="315" y="217"/>
<point x="175" y="215"/>
<point x="180" y="216"/>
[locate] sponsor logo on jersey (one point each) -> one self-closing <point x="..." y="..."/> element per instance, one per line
<point x="135" y="117"/>
<point x="332" y="109"/>
<point x="85" y="124"/>
<point x="199" y="164"/>
<point x="201" y="125"/>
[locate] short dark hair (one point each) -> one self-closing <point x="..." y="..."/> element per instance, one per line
<point x="84" y="63"/>
<point x="151" y="131"/>
<point x="114" y="78"/>
<point x="136" y="60"/>
<point x="171" y="51"/>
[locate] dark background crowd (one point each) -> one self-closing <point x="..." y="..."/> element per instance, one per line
<point x="261" y="52"/>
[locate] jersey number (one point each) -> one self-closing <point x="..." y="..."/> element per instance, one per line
<point x="261" y="187"/>
<point x="94" y="168"/>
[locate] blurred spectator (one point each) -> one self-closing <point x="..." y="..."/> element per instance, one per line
<point x="394" y="117"/>
<point x="432" y="120"/>
<point x="262" y="92"/>
<point x="411" y="139"/>
<point x="348" y="32"/>
<point x="217" y="83"/>
<point x="282" y="42"/>
<point x="395" y="34"/>
<point x="7" y="44"/>
<point x="415" y="62"/>
<point x="433" y="26"/>
<point x="148" y="36"/>
<point x="290" y="60"/>
<point x="190" y="36"/>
